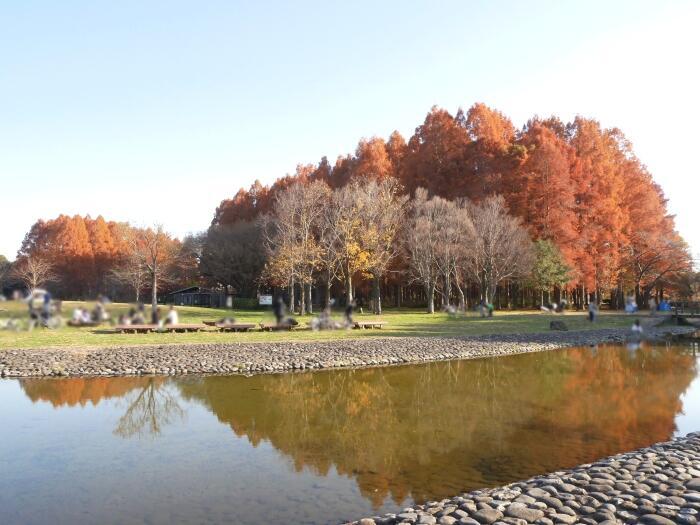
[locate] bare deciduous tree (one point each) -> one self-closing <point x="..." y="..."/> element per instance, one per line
<point x="423" y="241"/>
<point x="330" y="255"/>
<point x="154" y="250"/>
<point x="456" y="235"/>
<point x="345" y="215"/>
<point x="132" y="273"/>
<point x="382" y="210"/>
<point x="291" y="240"/>
<point x="34" y="271"/>
<point x="501" y="248"/>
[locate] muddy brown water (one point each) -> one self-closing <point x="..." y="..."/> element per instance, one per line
<point x="327" y="446"/>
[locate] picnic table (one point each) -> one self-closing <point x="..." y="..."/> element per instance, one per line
<point x="369" y="324"/>
<point x="181" y="327"/>
<point x="146" y="328"/>
<point x="136" y="328"/>
<point x="234" y="327"/>
<point x="269" y="327"/>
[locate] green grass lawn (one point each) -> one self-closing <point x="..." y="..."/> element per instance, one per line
<point x="400" y="322"/>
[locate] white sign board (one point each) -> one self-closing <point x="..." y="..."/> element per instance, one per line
<point x="265" y="300"/>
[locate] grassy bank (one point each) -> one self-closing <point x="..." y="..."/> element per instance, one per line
<point x="400" y="322"/>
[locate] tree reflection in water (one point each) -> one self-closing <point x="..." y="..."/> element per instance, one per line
<point x="151" y="402"/>
<point x="429" y="431"/>
<point x="82" y="390"/>
<point x="425" y="431"/>
<point x="149" y="410"/>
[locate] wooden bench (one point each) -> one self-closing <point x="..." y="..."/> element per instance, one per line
<point x="211" y="323"/>
<point x="181" y="328"/>
<point x="135" y="328"/>
<point x="369" y="324"/>
<point x="234" y="327"/>
<point x="146" y="328"/>
<point x="270" y="327"/>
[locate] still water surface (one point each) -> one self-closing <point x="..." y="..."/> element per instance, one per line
<point x="326" y="446"/>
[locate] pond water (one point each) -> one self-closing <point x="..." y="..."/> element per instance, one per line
<point x="328" y="446"/>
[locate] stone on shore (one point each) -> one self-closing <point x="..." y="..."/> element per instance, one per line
<point x="275" y="357"/>
<point x="657" y="485"/>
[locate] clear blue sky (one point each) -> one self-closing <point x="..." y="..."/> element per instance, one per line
<point x="156" y="111"/>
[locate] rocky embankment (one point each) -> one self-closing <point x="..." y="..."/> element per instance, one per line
<point x="250" y="358"/>
<point x="658" y="485"/>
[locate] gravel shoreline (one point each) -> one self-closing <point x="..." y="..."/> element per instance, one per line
<point x="658" y="485"/>
<point x="252" y="358"/>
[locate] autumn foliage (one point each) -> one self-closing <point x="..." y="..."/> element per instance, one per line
<point x="92" y="256"/>
<point x="575" y="184"/>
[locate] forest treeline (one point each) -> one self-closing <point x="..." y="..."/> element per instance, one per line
<point x="80" y="257"/>
<point x="586" y="220"/>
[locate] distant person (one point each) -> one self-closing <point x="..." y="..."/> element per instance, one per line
<point x="172" y="317"/>
<point x="34" y="316"/>
<point x="134" y="317"/>
<point x="139" y="316"/>
<point x="592" y="311"/>
<point x="99" y="314"/>
<point x="489" y="308"/>
<point x="46" y="307"/>
<point x="652" y="307"/>
<point x="278" y="309"/>
<point x="155" y="316"/>
<point x="77" y="316"/>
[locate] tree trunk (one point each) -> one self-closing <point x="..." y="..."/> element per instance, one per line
<point x="154" y="290"/>
<point x="291" y="296"/>
<point x="448" y="290"/>
<point x="302" y="299"/>
<point x="328" y="290"/>
<point x="377" y="296"/>
<point x="430" y="292"/>
<point x="462" y="301"/>
<point x="309" y="306"/>
<point x="348" y="288"/>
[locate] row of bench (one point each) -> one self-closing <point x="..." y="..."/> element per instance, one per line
<point x="224" y="327"/>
